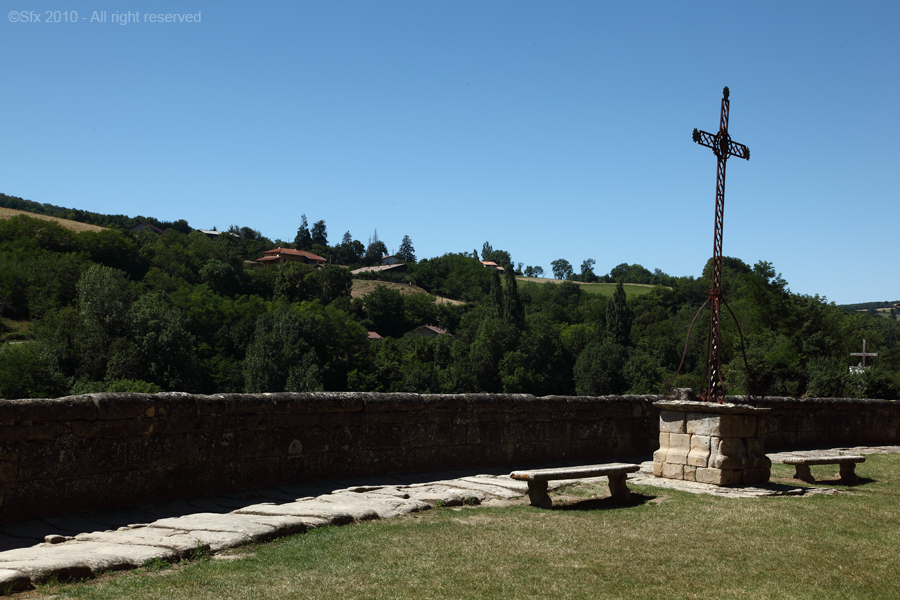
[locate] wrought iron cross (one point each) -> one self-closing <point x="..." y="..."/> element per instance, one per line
<point x="723" y="147"/>
<point x="864" y="354"/>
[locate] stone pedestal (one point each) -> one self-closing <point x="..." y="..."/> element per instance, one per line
<point x="721" y="444"/>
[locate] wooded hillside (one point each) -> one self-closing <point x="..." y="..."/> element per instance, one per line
<point x="112" y="310"/>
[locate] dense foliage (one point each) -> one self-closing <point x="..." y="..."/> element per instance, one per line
<point x="182" y="311"/>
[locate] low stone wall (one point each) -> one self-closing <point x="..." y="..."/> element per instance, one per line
<point x="828" y="422"/>
<point x="95" y="451"/>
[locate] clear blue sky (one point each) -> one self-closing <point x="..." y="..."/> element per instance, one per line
<point x="551" y="129"/>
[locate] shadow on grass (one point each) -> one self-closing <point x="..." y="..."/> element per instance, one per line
<point x="608" y="503"/>
<point x="837" y="481"/>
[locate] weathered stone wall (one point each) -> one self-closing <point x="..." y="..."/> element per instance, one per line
<point x="95" y="451"/>
<point x="810" y="422"/>
<point x="86" y="452"/>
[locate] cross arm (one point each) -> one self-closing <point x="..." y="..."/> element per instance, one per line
<point x="710" y="141"/>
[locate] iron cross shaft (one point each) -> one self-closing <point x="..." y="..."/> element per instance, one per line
<point x="722" y="146"/>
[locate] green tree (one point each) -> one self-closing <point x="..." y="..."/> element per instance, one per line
<point x="406" y="252"/>
<point x="513" y="310"/>
<point x="221" y="277"/>
<point x="333" y="282"/>
<point x="319" y="233"/>
<point x="280" y="358"/>
<point x="618" y="317"/>
<point x="385" y="310"/>
<point x="497" y="302"/>
<point x="562" y="269"/>
<point x="600" y="369"/>
<point x="103" y="299"/>
<point x="297" y="282"/>
<point x="24" y="373"/>
<point x="587" y="271"/>
<point x="303" y="240"/>
<point x="375" y="251"/>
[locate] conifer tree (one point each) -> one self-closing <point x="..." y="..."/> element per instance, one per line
<point x="303" y="241"/>
<point x="407" y="252"/>
<point x="618" y="317"/>
<point x="513" y="309"/>
<point x="497" y="295"/>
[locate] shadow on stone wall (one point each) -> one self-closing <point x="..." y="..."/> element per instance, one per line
<point x="96" y="451"/>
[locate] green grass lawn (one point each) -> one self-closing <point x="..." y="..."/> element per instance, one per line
<point x="664" y="544"/>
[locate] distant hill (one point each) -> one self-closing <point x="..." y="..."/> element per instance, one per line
<point x="868" y="305"/>
<point x="86" y="216"/>
<point x="9" y="213"/>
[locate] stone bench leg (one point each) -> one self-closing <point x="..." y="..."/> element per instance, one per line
<point x="537" y="494"/>
<point x="618" y="489"/>
<point x="802" y="473"/>
<point x="848" y="473"/>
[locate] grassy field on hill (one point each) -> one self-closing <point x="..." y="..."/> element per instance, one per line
<point x="9" y="213"/>
<point x="663" y="544"/>
<point x="361" y="287"/>
<point x="604" y="289"/>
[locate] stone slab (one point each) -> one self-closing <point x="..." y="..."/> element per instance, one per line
<point x="75" y="560"/>
<point x="385" y="507"/>
<point x="12" y="580"/>
<point x="575" y="472"/>
<point x="822" y="460"/>
<point x="493" y="490"/>
<point x="176" y="541"/>
<point x="710" y="407"/>
<point x="448" y="496"/>
<point x="332" y="513"/>
<point x="229" y="523"/>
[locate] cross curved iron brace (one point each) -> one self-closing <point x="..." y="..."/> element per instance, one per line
<point x="667" y="387"/>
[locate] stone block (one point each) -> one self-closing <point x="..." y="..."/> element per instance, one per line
<point x="749" y="476"/>
<point x="671" y="421"/>
<point x="743" y="426"/>
<point x="719" y="461"/>
<point x="690" y="473"/>
<point x="673" y="471"/>
<point x="677" y="457"/>
<point x="680" y="441"/>
<point x="762" y="427"/>
<point x="731" y="446"/>
<point x="699" y="454"/>
<point x="708" y="424"/>
<point x="663" y="441"/>
<point x="717" y="476"/>
<point x="658" y="468"/>
<point x="659" y="456"/>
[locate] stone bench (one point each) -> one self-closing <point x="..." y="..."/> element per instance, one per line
<point x="537" y="480"/>
<point x="847" y="463"/>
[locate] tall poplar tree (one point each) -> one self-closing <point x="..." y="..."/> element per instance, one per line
<point x="618" y="317"/>
<point x="514" y="311"/>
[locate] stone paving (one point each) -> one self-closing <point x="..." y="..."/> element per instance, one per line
<point x="88" y="544"/>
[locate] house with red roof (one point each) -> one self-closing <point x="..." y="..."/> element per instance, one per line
<point x="489" y="264"/>
<point x="282" y="256"/>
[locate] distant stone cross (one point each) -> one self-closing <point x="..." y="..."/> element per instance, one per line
<point x="723" y="147"/>
<point x="864" y="354"/>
